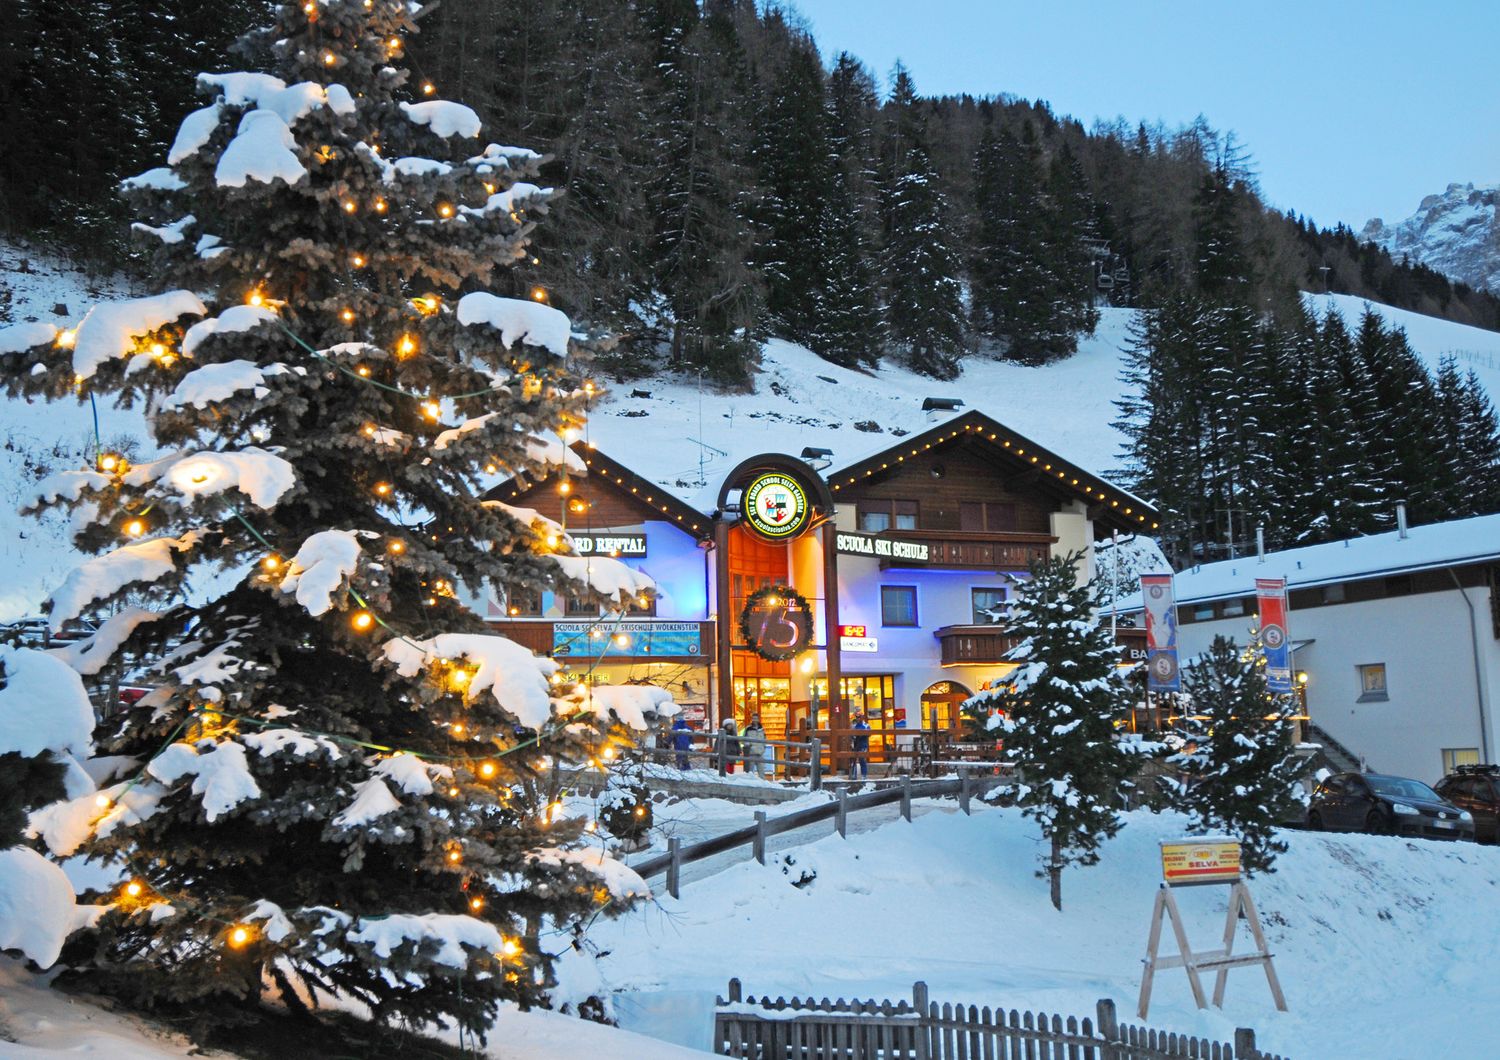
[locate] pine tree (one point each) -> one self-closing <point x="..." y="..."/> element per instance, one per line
<point x="1058" y="712"/>
<point x="922" y="272"/>
<point x="341" y="781"/>
<point x="1239" y="773"/>
<point x="45" y="722"/>
<point x="845" y="326"/>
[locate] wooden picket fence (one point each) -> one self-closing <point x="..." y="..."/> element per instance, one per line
<point x="809" y="1029"/>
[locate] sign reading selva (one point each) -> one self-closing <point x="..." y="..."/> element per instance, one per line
<point x="855" y="544"/>
<point x="1200" y="861"/>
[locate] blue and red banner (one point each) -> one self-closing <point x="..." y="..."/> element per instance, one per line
<point x="1270" y="593"/>
<point x="1162" y="673"/>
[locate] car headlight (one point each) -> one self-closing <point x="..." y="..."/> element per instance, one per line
<point x="1401" y="807"/>
<point x="1465" y="815"/>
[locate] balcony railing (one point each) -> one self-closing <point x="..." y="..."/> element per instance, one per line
<point x="985" y="551"/>
<point x="974" y="644"/>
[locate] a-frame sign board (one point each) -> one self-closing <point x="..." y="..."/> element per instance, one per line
<point x="1196" y="863"/>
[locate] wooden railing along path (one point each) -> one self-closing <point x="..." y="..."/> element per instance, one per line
<point x="964" y="787"/>
<point x="809" y="1029"/>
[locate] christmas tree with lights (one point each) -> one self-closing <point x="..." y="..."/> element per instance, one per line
<point x="341" y="783"/>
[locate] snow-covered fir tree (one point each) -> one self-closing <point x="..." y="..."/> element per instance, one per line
<point x="1057" y="713"/>
<point x="921" y="271"/>
<point x="341" y="784"/>
<point x="1237" y="767"/>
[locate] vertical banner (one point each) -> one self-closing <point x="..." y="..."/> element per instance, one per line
<point x="1161" y="633"/>
<point x="1270" y="593"/>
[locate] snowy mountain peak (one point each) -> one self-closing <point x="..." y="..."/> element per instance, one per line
<point x="1457" y="233"/>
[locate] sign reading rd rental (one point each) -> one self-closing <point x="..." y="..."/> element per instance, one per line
<point x="1200" y="861"/>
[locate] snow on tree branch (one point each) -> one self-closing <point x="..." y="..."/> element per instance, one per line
<point x="322" y="565"/>
<point x="519" y="680"/>
<point x="110" y="329"/>
<point x="213" y="383"/>
<point x="530" y="322"/>
<point x="444" y="117"/>
<point x="43" y="706"/>
<point x="101" y="577"/>
<point x="89" y="656"/>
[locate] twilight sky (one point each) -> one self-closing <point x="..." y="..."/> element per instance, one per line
<point x="1350" y="110"/>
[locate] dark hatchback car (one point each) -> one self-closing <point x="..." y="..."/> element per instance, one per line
<point x="1385" y="805"/>
<point x="1477" y="790"/>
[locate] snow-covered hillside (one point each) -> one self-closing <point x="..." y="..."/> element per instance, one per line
<point x="1457" y="233"/>
<point x="1386" y="948"/>
<point x="682" y="436"/>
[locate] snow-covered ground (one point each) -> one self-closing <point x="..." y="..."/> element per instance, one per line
<point x="1387" y="948"/>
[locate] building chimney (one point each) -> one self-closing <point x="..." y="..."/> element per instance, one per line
<point x="1260" y="544"/>
<point x="1401" y="519"/>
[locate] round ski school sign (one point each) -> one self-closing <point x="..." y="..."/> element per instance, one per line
<point x="775" y="506"/>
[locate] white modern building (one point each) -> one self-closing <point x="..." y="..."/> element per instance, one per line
<point x="1395" y="636"/>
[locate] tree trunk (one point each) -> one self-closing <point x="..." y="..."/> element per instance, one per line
<point x="1054" y="871"/>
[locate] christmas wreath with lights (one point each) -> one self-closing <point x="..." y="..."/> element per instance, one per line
<point x="760" y="606"/>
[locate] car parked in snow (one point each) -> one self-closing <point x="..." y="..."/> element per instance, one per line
<point x="1385" y="805"/>
<point x="1477" y="790"/>
<point x="37" y="632"/>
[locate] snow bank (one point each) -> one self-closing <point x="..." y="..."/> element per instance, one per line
<point x="320" y="568"/>
<point x="444" y="117"/>
<point x="36" y="905"/>
<point x="110" y="329"/>
<point x="43" y="705"/>
<point x="452" y="933"/>
<point x="529" y="322"/>
<point x="512" y="674"/>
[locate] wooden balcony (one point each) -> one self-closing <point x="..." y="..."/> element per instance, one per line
<point x="950" y="549"/>
<point x="974" y="644"/>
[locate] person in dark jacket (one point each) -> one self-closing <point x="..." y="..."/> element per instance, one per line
<point x="729" y="745"/>
<point x="860" y="745"/>
<point x="682" y="740"/>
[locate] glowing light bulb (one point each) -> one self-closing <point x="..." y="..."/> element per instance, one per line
<point x="271" y="563"/>
<point x="453" y="792"/>
<point x="134" y="888"/>
<point x="489" y="188"/>
<point x="397" y="546"/>
<point x="539" y="294"/>
<point x="382" y="489"/>
<point x="458" y="728"/>
<point x="109" y="462"/>
<point x="239" y="936"/>
<point x="393" y="43"/>
<point x="476" y="903"/>
<point x="255" y="298"/>
<point x="565" y="487"/>
<point x="445" y="209"/>
<point x="363" y="370"/>
<point x="358" y="261"/>
<point x="102" y="801"/>
<point x="350" y="206"/>
<point x="329" y="58"/>
<point x="432" y="409"/>
<point x="487" y="770"/>
<point x="66" y="338"/>
<point x="361" y="621"/>
<point x="406" y="347"/>
<point x="136" y="527"/>
<point x="454" y="856"/>
<point x="347" y="316"/>
<point x="427" y="88"/>
<point x="158" y="350"/>
<point x="380" y="206"/>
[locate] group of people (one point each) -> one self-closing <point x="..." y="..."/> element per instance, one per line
<point x="751" y="750"/>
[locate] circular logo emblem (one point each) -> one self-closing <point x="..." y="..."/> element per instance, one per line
<point x="1156" y="592"/>
<point x="775" y="506"/>
<point x="1273" y="636"/>
<point x="1164" y="667"/>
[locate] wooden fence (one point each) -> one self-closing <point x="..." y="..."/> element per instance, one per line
<point x="809" y="1029"/>
<point x="964" y="788"/>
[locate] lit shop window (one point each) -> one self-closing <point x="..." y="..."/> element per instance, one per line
<point x="1372" y="683"/>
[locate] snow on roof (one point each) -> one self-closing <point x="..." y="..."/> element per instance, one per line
<point x="1455" y="542"/>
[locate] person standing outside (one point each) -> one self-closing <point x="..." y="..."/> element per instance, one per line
<point x="682" y="740"/>
<point x="859" y="765"/>
<point x="752" y="743"/>
<point x="729" y="745"/>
